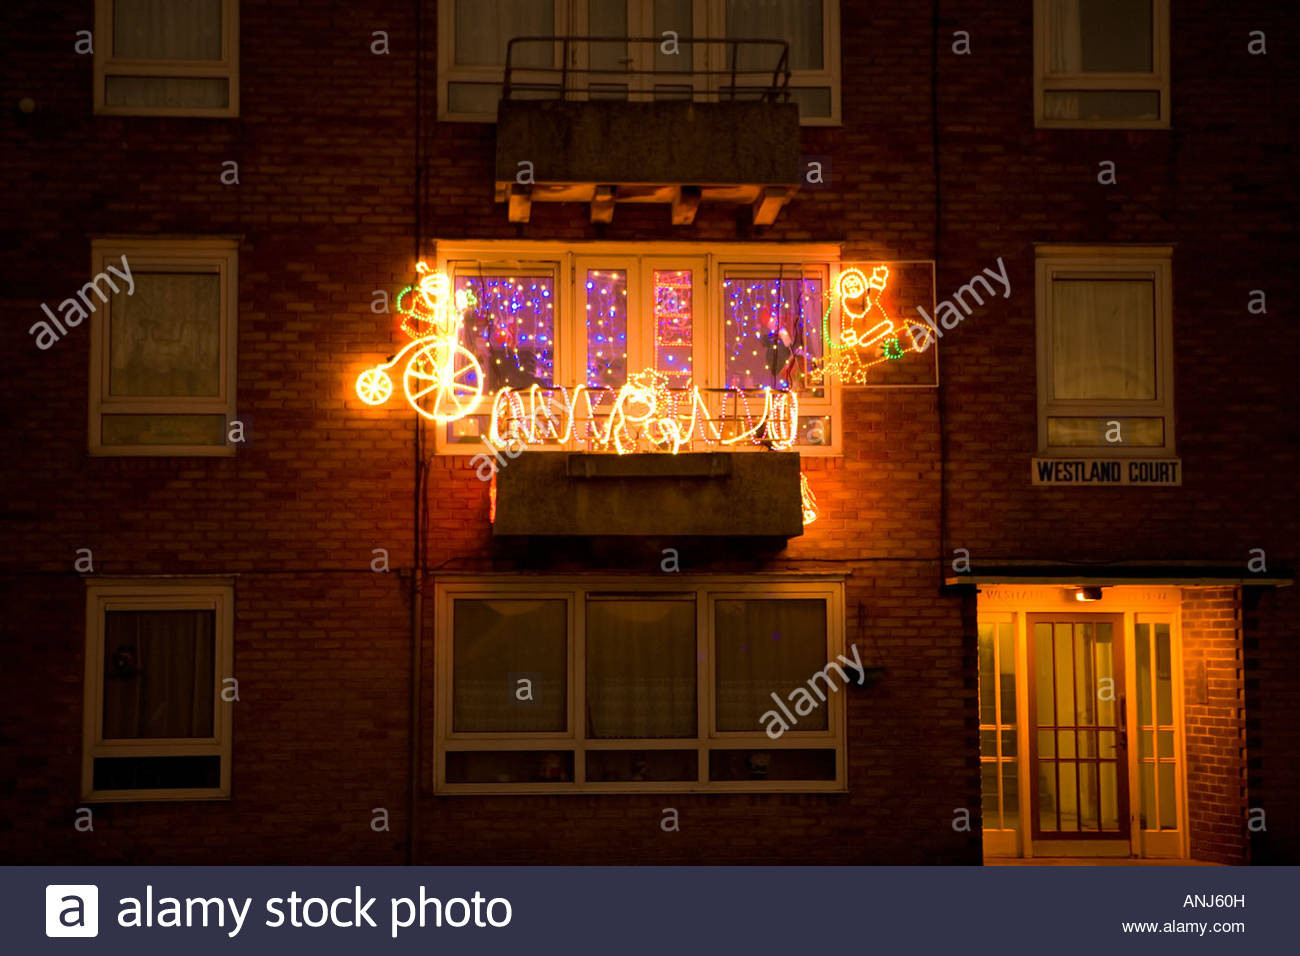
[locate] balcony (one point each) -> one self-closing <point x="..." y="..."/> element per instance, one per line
<point x="609" y="133"/>
<point x="709" y="495"/>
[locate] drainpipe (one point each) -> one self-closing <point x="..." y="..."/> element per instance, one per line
<point x="417" y="509"/>
<point x="938" y="243"/>
<point x="417" y="616"/>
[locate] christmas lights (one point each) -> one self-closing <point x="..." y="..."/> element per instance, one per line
<point x="442" y="379"/>
<point x="807" y="501"/>
<point x="606" y="328"/>
<point x="672" y="324"/>
<point x="768" y="341"/>
<point x="506" y="324"/>
<point x="862" y="345"/>
<point x="644" y="414"/>
<point x="511" y="328"/>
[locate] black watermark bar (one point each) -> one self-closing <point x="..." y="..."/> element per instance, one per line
<point x="652" y="910"/>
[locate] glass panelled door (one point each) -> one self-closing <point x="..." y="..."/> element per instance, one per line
<point x="675" y="303"/>
<point x="1158" y="772"/>
<point x="1078" y="746"/>
<point x="999" y="783"/>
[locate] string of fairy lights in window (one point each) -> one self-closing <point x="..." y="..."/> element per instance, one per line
<point x="768" y="341"/>
<point x="510" y="328"/>
<point x="606" y="327"/>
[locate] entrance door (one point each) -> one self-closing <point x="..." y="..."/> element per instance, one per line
<point x="1077" y="741"/>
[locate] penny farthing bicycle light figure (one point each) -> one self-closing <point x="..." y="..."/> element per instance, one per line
<point x="442" y="379"/>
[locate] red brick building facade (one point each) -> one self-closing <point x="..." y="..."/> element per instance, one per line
<point x="928" y="512"/>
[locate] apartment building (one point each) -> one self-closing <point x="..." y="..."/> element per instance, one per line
<point x="603" y="431"/>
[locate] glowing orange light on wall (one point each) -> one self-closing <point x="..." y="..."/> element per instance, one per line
<point x="862" y="345"/>
<point x="642" y="415"/>
<point x="442" y="379"/>
<point x="808" y="501"/>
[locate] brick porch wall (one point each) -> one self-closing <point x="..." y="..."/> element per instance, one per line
<point x="1215" y="729"/>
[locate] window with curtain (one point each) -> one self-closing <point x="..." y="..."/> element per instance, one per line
<point x="158" y="673"/>
<point x="158" y="656"/>
<point x="765" y="646"/>
<point x="814" y="82"/>
<point x="166" y="336"/>
<point x="1105" y="351"/>
<point x="162" y="347"/>
<point x="669" y="686"/>
<point x="478" y="31"/>
<point x="511" y="666"/>
<point x="1102" y="63"/>
<point x="169" y="57"/>
<point x="640" y="667"/>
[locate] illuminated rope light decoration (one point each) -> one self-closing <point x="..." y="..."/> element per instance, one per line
<point x="642" y="415"/>
<point x="442" y="380"/>
<point x="863" y="344"/>
<point x="807" y="500"/>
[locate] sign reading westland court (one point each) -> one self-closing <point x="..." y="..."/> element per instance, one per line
<point x="1107" y="471"/>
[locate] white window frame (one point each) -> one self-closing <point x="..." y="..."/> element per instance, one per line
<point x="1155" y="81"/>
<point x="106" y="65"/>
<point x="827" y="76"/>
<point x="571" y="259"/>
<point x="106" y="595"/>
<point x="1153" y="263"/>
<point x="219" y="256"/>
<point x="706" y="590"/>
<point x="708" y="19"/>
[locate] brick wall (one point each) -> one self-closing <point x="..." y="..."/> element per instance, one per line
<point x="1272" y="658"/>
<point x="1215" y="732"/>
<point x="320" y="730"/>
<point x="1217" y="186"/>
<point x="325" y="210"/>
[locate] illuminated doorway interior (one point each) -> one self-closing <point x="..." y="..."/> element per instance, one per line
<point x="1081" y="722"/>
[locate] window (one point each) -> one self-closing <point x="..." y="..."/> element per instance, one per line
<point x="549" y="684"/>
<point x="167" y="57"/>
<point x="811" y="27"/>
<point x="1105" y="351"/>
<point x="511" y="329"/>
<point x="473" y="35"/>
<point x="162" y="369"/>
<point x="721" y="318"/>
<point x="771" y="317"/>
<point x="1101" y="63"/>
<point x="157" y="656"/>
<point x="998" y="745"/>
<point x="1157" y="757"/>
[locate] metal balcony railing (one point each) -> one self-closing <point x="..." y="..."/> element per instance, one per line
<point x="739" y="79"/>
